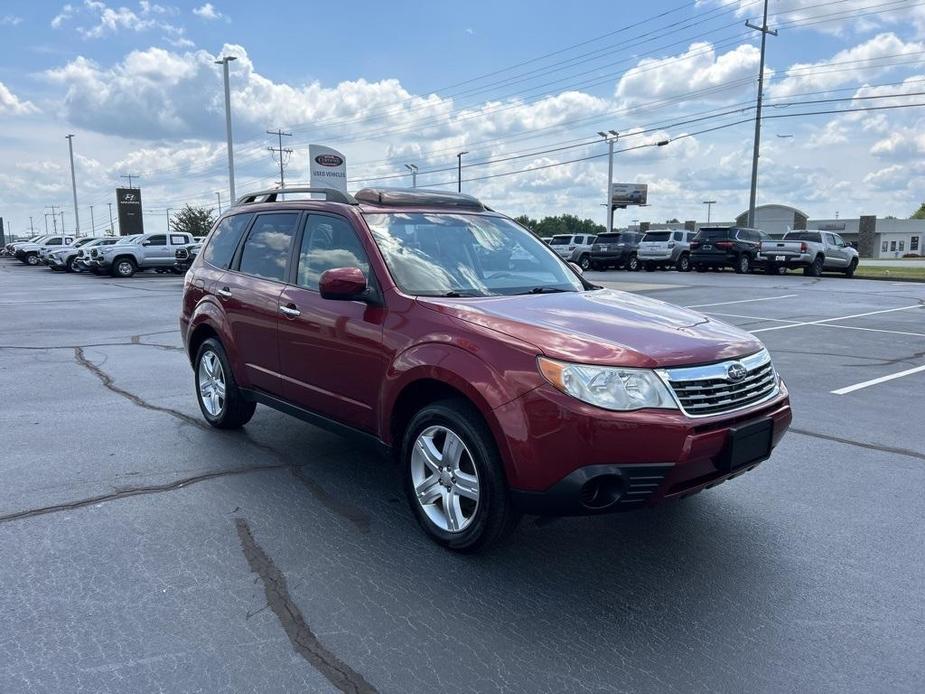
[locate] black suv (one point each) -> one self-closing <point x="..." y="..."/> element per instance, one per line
<point x="617" y="249"/>
<point x="718" y="247"/>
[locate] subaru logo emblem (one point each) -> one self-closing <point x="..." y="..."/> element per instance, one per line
<point x="736" y="372"/>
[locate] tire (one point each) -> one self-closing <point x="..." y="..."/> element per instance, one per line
<point x="69" y="265"/>
<point x="814" y="269"/>
<point x="123" y="267"/>
<point x="650" y="267"/>
<point x="852" y="266"/>
<point x="743" y="264"/>
<point x="594" y="266"/>
<point x="31" y="259"/>
<point x="632" y="264"/>
<point x="481" y="522"/>
<point x="212" y="368"/>
<point x="684" y="263"/>
<point x="700" y="267"/>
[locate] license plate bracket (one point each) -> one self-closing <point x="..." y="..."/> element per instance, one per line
<point x="780" y="258"/>
<point x="746" y="445"/>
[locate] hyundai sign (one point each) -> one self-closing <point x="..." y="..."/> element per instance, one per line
<point x="128" y="202"/>
<point x="328" y="168"/>
<point x="625" y="194"/>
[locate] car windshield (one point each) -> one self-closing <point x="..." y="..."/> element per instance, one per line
<point x="657" y="236"/>
<point x="560" y="240"/>
<point x="803" y="236"/>
<point x="128" y="239"/>
<point x="710" y="234"/>
<point x="431" y="254"/>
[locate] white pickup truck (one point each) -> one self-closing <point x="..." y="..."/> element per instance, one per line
<point x="814" y="250"/>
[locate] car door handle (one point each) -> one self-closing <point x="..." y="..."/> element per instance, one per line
<point x="224" y="293"/>
<point x="290" y="311"/>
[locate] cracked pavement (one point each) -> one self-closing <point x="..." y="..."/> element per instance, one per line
<point x="142" y="551"/>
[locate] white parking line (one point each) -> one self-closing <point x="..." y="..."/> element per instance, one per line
<point x="875" y="381"/>
<point x="829" y="320"/>
<point x="743" y="301"/>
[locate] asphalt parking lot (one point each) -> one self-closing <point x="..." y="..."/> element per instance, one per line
<point x="142" y="551"/>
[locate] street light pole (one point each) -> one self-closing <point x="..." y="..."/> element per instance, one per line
<point x="168" y="219"/>
<point x="709" y="204"/>
<point x="414" y="174"/>
<point x="611" y="136"/>
<point x="218" y="194"/>
<point x="112" y="229"/>
<point x="92" y="223"/>
<point x="459" y="157"/>
<point x="224" y="63"/>
<point x="70" y="149"/>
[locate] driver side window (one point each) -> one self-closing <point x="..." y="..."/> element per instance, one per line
<point x="328" y="243"/>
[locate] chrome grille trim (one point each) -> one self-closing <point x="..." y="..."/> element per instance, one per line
<point x="705" y="391"/>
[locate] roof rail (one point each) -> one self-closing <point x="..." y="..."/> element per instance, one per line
<point x="330" y="194"/>
<point x="418" y="197"/>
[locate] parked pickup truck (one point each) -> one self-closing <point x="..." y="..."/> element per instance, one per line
<point x="133" y="254"/>
<point x="813" y="250"/>
<point x="29" y="253"/>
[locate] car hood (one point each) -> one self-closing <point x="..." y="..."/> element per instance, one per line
<point x="604" y="327"/>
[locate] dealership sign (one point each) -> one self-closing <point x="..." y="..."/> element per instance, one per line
<point x="328" y="168"/>
<point x="625" y="194"/>
<point x="128" y="202"/>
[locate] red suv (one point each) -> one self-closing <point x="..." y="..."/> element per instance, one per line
<point x="501" y="380"/>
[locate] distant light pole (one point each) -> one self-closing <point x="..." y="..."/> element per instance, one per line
<point x="459" y="157"/>
<point x="112" y="228"/>
<point x="709" y="204"/>
<point x="92" y="223"/>
<point x="414" y="174"/>
<point x="224" y="63"/>
<point x="611" y="136"/>
<point x="70" y="149"/>
<point x="218" y="194"/>
<point x="31" y="228"/>
<point x="46" y="224"/>
<point x="168" y="219"/>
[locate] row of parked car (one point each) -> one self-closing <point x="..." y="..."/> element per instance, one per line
<point x="119" y="256"/>
<point x="709" y="248"/>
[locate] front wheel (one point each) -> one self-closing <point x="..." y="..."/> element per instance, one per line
<point x="220" y="400"/>
<point x="70" y="265"/>
<point x="454" y="479"/>
<point x="32" y="259"/>
<point x="743" y="264"/>
<point x="852" y="266"/>
<point x="123" y="267"/>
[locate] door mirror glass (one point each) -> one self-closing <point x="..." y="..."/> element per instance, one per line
<point x="577" y="268"/>
<point x="342" y="283"/>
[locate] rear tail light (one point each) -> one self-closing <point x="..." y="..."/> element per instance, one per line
<point x="724" y="245"/>
<point x="572" y="247"/>
<point x="671" y="244"/>
<point x="803" y="248"/>
<point x="695" y="244"/>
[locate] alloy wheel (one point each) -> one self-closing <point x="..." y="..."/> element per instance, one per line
<point x="124" y="268"/>
<point x="211" y="379"/>
<point x="445" y="479"/>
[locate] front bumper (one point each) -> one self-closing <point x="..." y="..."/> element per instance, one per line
<point x="556" y="444"/>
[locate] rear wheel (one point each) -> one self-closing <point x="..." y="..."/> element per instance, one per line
<point x="632" y="265"/>
<point x="852" y="266"/>
<point x="70" y="264"/>
<point x="814" y="269"/>
<point x="220" y="400"/>
<point x="584" y="262"/>
<point x="743" y="264"/>
<point x="684" y="263"/>
<point x="454" y="478"/>
<point x="651" y="267"/>
<point x="700" y="267"/>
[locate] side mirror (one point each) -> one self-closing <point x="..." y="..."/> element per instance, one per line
<point x="577" y="268"/>
<point x="342" y="284"/>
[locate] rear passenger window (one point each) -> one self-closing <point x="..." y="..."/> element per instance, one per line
<point x="328" y="242"/>
<point x="157" y="240"/>
<point x="178" y="239"/>
<point x="677" y="236"/>
<point x="221" y="247"/>
<point x="266" y="249"/>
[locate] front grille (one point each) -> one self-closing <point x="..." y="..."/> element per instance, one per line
<point x="707" y="390"/>
<point x="182" y="254"/>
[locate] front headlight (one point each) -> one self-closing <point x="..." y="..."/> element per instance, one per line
<point x="609" y="387"/>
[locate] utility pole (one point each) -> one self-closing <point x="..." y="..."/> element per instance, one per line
<point x="46" y="224"/>
<point x="92" y="223"/>
<point x="282" y="164"/>
<point x="168" y="219"/>
<point x="611" y="137"/>
<point x="63" y="232"/>
<point x="414" y="174"/>
<point x="224" y="63"/>
<point x="112" y="229"/>
<point x="130" y="177"/>
<point x="459" y="157"/>
<point x="754" y="189"/>
<point x="54" y="218"/>
<point x="70" y="149"/>
<point x="218" y="194"/>
<point x="709" y="204"/>
<point x="31" y="228"/>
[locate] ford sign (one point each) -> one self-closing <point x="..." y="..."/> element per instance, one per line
<point x="329" y="160"/>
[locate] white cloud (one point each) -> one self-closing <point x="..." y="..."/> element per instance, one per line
<point x="10" y="20"/>
<point x="720" y="77"/>
<point x="208" y="12"/>
<point x="865" y="61"/>
<point x="105" y="20"/>
<point x="10" y="104"/>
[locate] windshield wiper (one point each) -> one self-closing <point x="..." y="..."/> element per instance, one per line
<point x="546" y="290"/>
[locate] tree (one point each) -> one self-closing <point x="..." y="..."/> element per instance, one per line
<point x="919" y="213"/>
<point x="193" y="220"/>
<point x="673" y="220"/>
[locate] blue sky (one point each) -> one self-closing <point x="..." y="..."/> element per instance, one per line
<point x="416" y="82"/>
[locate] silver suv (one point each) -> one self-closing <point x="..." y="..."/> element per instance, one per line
<point x="133" y="254"/>
<point x="574" y="248"/>
<point x="666" y="248"/>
